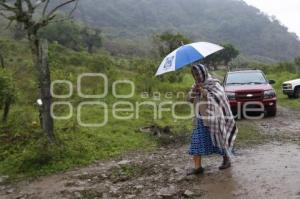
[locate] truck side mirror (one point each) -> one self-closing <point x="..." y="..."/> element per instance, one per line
<point x="272" y="81"/>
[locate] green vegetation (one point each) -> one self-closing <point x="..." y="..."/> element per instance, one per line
<point x="24" y="150"/>
<point x="223" y="57"/>
<point x="168" y="42"/>
<point x="73" y="35"/>
<point x="248" y="134"/>
<point x="281" y="77"/>
<point x="7" y="93"/>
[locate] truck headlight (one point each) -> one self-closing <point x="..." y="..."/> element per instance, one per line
<point x="287" y="86"/>
<point x="269" y="94"/>
<point x="230" y="95"/>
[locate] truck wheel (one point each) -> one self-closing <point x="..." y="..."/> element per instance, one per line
<point x="297" y="92"/>
<point x="272" y="112"/>
<point x="291" y="96"/>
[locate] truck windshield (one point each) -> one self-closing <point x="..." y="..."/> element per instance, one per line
<point x="246" y="78"/>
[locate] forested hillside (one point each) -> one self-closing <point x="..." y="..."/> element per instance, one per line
<point x="135" y="22"/>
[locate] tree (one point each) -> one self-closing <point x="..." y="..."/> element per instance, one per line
<point x="224" y="56"/>
<point x="168" y="42"/>
<point x="18" y="32"/>
<point x="297" y="62"/>
<point x="73" y="35"/>
<point x="2" y="61"/>
<point x="212" y="60"/>
<point x="25" y="12"/>
<point x="7" y="93"/>
<point x="91" y="38"/>
<point x="228" y="54"/>
<point x="66" y="33"/>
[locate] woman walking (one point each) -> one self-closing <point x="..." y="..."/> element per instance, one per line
<point x="214" y="125"/>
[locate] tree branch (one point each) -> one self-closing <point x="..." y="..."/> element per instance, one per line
<point x="30" y="6"/>
<point x="45" y="7"/>
<point x="7" y="7"/>
<point x="58" y="7"/>
<point x="74" y="8"/>
<point x="3" y="15"/>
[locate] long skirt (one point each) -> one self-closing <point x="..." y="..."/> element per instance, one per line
<point x="201" y="143"/>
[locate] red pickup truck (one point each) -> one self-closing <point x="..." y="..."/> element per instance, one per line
<point x="250" y="89"/>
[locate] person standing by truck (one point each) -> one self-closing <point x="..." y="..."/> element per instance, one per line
<point x="215" y="129"/>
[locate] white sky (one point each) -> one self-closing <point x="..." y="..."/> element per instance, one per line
<point x="286" y="11"/>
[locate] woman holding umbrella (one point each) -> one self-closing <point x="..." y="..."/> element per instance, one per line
<point x="215" y="129"/>
<point x="214" y="125"/>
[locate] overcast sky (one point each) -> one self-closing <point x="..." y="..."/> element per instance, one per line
<point x="286" y="11"/>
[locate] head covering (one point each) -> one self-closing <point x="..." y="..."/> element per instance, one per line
<point x="201" y="72"/>
<point x="221" y="122"/>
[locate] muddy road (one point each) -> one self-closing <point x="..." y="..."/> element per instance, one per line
<point x="285" y="125"/>
<point x="271" y="170"/>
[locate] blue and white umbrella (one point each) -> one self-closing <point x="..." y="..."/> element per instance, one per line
<point x="185" y="55"/>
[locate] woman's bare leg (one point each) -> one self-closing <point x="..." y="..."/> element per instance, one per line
<point x="197" y="161"/>
<point x="198" y="166"/>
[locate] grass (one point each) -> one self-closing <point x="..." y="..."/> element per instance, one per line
<point x="248" y="134"/>
<point x="26" y="153"/>
<point x="283" y="99"/>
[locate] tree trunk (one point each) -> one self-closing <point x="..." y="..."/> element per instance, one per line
<point x="2" y="61"/>
<point x="45" y="84"/>
<point x="7" y="104"/>
<point x="18" y="33"/>
<point x="90" y="48"/>
<point x="40" y="58"/>
<point x="215" y="67"/>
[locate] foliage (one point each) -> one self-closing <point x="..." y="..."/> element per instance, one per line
<point x="21" y="140"/>
<point x="297" y="63"/>
<point x="73" y="35"/>
<point x="66" y="33"/>
<point x="91" y="39"/>
<point x="168" y="42"/>
<point x="6" y="85"/>
<point x="222" y="57"/>
<point x="7" y="91"/>
<point x="228" y="54"/>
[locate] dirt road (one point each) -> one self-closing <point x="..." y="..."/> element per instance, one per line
<point x="271" y="170"/>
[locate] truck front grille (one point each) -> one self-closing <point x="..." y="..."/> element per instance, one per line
<point x="258" y="95"/>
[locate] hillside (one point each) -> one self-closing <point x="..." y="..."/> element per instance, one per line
<point x="220" y="21"/>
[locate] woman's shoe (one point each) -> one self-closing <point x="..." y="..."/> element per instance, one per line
<point x="196" y="171"/>
<point x="226" y="164"/>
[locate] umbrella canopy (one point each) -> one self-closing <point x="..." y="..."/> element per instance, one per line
<point x="185" y="55"/>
